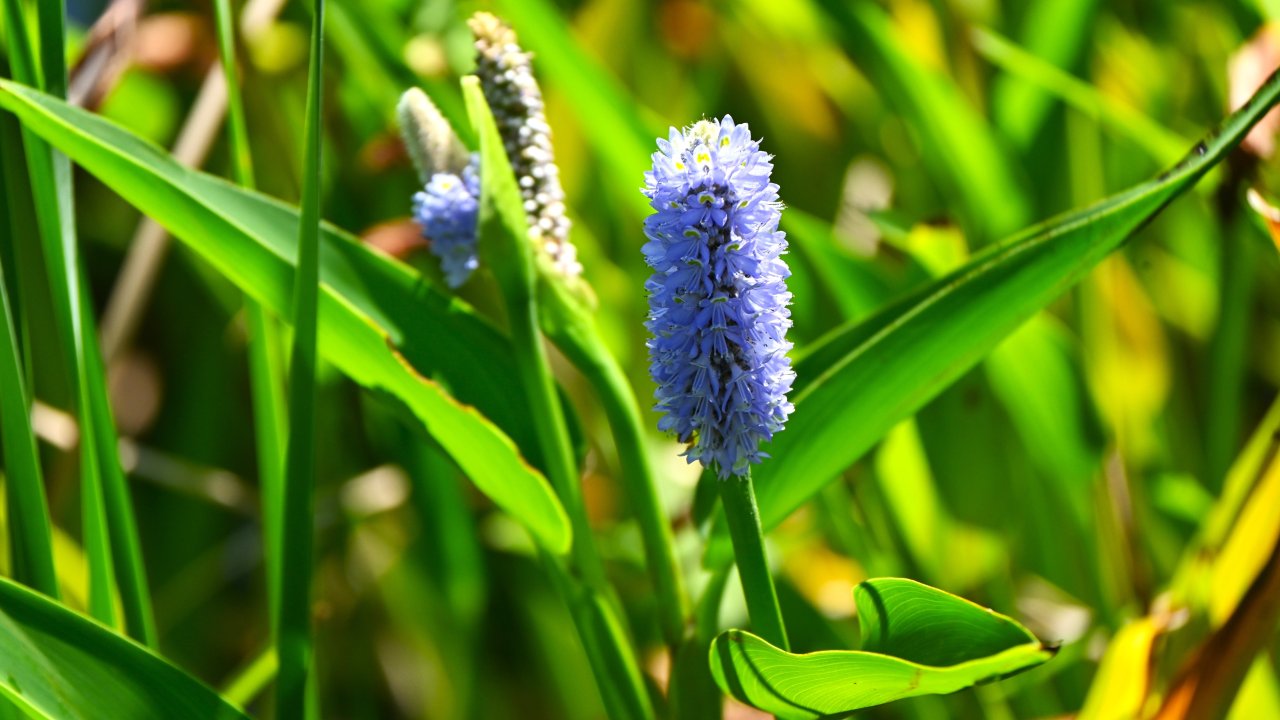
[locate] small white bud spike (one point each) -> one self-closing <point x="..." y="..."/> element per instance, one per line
<point x="428" y="136"/>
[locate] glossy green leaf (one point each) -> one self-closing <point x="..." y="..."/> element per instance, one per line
<point x="861" y="380"/>
<point x="917" y="640"/>
<point x="385" y="327"/>
<point x="59" y="665"/>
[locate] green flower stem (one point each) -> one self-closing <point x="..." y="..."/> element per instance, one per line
<point x="573" y="329"/>
<point x="638" y="482"/>
<point x="739" y="498"/>
<point x="506" y="249"/>
<point x="553" y="436"/>
<point x="617" y="675"/>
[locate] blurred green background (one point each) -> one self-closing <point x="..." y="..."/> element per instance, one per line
<point x="1062" y="481"/>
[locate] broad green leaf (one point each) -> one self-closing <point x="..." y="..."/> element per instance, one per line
<point x="917" y="640"/>
<point x="59" y="665"/>
<point x="382" y="325"/>
<point x="859" y="382"/>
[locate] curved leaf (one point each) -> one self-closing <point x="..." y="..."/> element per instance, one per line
<point x="861" y="380"/>
<point x="57" y="664"/>
<point x="917" y="640"/>
<point x="381" y="325"/>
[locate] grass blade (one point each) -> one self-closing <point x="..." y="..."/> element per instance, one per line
<point x="50" y="174"/>
<point x="293" y="639"/>
<point x="266" y="365"/>
<point x="30" y="534"/>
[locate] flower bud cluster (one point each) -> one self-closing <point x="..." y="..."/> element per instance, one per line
<point x="506" y="76"/>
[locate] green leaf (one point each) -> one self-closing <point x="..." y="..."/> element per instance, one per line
<point x="60" y="665"/>
<point x="917" y="640"/>
<point x="381" y="324"/>
<point x="861" y="380"/>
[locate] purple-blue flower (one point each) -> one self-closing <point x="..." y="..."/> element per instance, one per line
<point x="718" y="296"/>
<point x="447" y="208"/>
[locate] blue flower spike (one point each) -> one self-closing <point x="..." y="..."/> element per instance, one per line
<point x="448" y="206"/>
<point x="718" y="295"/>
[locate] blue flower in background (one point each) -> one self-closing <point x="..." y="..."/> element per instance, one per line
<point x="448" y="205"/>
<point x="718" y="296"/>
<point x="447" y="209"/>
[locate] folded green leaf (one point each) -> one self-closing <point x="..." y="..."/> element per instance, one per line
<point x="379" y="323"/>
<point x="917" y="640"/>
<point x="60" y="665"/>
<point x="863" y="379"/>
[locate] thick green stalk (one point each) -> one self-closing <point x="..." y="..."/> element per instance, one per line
<point x="293" y="637"/>
<point x="505" y="247"/>
<point x="552" y="433"/>
<point x="570" y="323"/>
<point x="739" y="499"/>
<point x="617" y="675"/>
<point x="604" y="374"/>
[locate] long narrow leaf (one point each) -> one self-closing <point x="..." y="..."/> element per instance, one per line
<point x="30" y="534"/>
<point x="297" y="531"/>
<point x="863" y="379"/>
